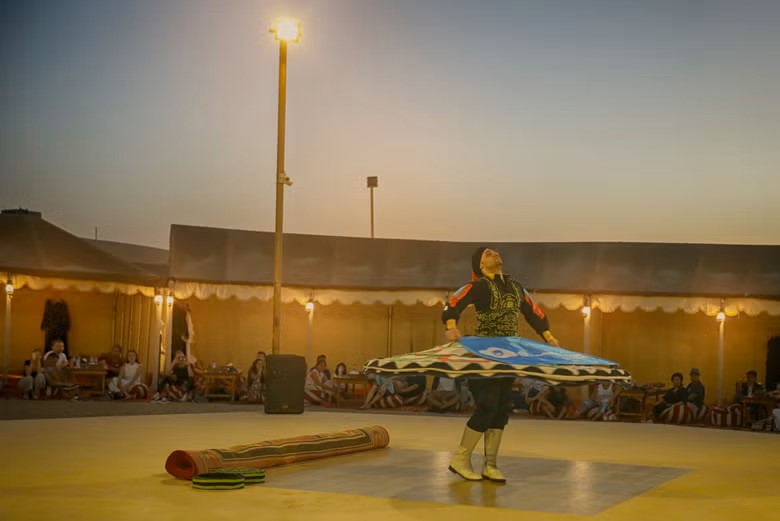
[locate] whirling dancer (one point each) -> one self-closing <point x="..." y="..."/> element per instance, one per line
<point x="498" y="301"/>
<point x="492" y="362"/>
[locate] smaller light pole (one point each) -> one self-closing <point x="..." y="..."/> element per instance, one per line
<point x="372" y="182"/>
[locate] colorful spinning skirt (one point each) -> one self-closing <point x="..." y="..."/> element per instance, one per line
<point x="475" y="357"/>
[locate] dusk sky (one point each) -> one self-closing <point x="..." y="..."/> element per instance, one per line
<point x="545" y="120"/>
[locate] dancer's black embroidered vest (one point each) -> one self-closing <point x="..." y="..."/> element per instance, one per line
<point x="501" y="317"/>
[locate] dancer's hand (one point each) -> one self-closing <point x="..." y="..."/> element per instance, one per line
<point x="553" y="342"/>
<point x="453" y="335"/>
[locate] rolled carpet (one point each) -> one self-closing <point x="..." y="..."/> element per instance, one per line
<point x="184" y="464"/>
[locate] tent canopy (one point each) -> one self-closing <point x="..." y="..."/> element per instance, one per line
<point x="29" y="245"/>
<point x="222" y="256"/>
<point x="154" y="260"/>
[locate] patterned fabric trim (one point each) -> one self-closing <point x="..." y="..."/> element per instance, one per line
<point x="454" y="361"/>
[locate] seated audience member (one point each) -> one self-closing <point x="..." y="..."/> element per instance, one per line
<point x="326" y="372"/>
<point x="318" y="389"/>
<point x="750" y="388"/>
<point x="198" y="380"/>
<point x="57" y="372"/>
<point x="411" y="389"/>
<point x="341" y="370"/>
<point x="254" y="388"/>
<point x="34" y="380"/>
<point x="467" y="402"/>
<point x="564" y="408"/>
<point x="536" y="396"/>
<point x="677" y="394"/>
<point x="179" y="380"/>
<point x="130" y="381"/>
<point x="776" y="411"/>
<point x="601" y="404"/>
<point x="382" y="394"/>
<point x="445" y="395"/>
<point x="111" y="362"/>
<point x="696" y="395"/>
<point x="517" y="396"/>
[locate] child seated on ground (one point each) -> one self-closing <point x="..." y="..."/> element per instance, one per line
<point x="445" y="395"/>
<point x="382" y="394"/>
<point x="129" y="383"/>
<point x="601" y="404"/>
<point x="318" y="389"/>
<point x="178" y="382"/>
<point x="33" y="381"/>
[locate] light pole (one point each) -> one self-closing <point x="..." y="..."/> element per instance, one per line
<point x="284" y="31"/>
<point x="372" y="182"/>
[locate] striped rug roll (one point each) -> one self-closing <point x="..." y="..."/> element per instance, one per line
<point x="218" y="481"/>
<point x="184" y="464"/>
<point x="251" y="475"/>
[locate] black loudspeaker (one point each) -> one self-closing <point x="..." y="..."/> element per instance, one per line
<point x="285" y="376"/>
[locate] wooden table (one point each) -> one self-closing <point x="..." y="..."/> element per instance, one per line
<point x="221" y="385"/>
<point x="767" y="402"/>
<point x="91" y="380"/>
<point x="349" y="380"/>
<point x="637" y="394"/>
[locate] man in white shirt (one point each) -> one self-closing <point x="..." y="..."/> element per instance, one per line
<point x="56" y="357"/>
<point x="55" y="365"/>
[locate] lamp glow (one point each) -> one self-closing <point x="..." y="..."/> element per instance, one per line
<point x="9" y="289"/>
<point x="586" y="309"/>
<point x="721" y="316"/>
<point x="158" y="299"/>
<point x="310" y="306"/>
<point x="169" y="300"/>
<point x="287" y="30"/>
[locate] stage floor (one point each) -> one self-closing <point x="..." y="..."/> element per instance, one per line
<point x="112" y="468"/>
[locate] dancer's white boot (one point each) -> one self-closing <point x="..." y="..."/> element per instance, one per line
<point x="492" y="443"/>
<point x="461" y="461"/>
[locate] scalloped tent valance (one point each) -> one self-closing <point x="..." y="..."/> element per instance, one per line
<point x="568" y="301"/>
<point x="44" y="283"/>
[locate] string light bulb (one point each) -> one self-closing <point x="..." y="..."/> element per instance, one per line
<point x="586" y="308"/>
<point x="721" y="316"/>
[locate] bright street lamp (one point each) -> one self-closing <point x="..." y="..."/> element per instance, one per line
<point x="284" y="31"/>
<point x="287" y="30"/>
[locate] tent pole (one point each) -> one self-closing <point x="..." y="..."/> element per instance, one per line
<point x="7" y="336"/>
<point x="310" y="335"/>
<point x="168" y="344"/>
<point x="157" y="354"/>
<point x="139" y="319"/>
<point x="586" y="333"/>
<point x="390" y="330"/>
<point x="721" y="357"/>
<point x="113" y="322"/>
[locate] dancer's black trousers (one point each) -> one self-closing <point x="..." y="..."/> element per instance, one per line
<point x="492" y="397"/>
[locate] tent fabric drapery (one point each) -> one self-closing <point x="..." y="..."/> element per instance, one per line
<point x="42" y="283"/>
<point x="569" y="301"/>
